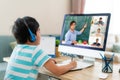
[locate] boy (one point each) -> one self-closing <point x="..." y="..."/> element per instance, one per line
<point x="27" y="57"/>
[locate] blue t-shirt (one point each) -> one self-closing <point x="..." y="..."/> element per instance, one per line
<point x="24" y="62"/>
<point x="71" y="36"/>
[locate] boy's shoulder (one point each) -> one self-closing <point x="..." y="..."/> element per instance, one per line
<point x="28" y="47"/>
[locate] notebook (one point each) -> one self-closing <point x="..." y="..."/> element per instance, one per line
<point x="80" y="64"/>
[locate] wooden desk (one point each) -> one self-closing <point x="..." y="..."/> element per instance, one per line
<point x="91" y="73"/>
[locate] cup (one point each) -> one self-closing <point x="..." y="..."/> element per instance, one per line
<point x="107" y="65"/>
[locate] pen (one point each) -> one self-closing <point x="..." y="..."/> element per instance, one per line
<point x="72" y="59"/>
<point x="102" y="56"/>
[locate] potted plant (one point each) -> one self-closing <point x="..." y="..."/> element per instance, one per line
<point x="57" y="44"/>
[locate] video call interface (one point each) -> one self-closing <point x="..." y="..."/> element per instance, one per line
<point x="86" y="31"/>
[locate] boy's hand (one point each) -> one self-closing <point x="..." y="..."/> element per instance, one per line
<point x="73" y="63"/>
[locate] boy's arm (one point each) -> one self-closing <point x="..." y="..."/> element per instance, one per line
<point x="58" y="70"/>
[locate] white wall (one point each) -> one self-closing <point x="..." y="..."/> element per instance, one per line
<point x="49" y="13"/>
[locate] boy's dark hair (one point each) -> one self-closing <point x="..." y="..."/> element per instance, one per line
<point x="72" y="22"/>
<point x="20" y="30"/>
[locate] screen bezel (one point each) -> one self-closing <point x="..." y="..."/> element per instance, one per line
<point x="87" y="47"/>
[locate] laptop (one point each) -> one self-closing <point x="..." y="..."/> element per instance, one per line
<point x="47" y="44"/>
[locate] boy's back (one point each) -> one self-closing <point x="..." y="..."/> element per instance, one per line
<point x="24" y="62"/>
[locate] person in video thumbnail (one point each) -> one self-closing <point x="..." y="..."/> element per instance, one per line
<point x="70" y="36"/>
<point x="96" y="43"/>
<point x="100" y="22"/>
<point x="98" y="33"/>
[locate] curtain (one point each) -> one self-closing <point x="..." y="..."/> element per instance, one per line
<point x="78" y="6"/>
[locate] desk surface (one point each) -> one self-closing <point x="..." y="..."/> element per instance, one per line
<point x="91" y="73"/>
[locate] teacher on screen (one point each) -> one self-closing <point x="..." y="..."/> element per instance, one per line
<point x="70" y="36"/>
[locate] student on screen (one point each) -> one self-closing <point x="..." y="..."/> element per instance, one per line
<point x="70" y="36"/>
<point x="100" y="22"/>
<point x="98" y="33"/>
<point x="27" y="57"/>
<point x="96" y="43"/>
